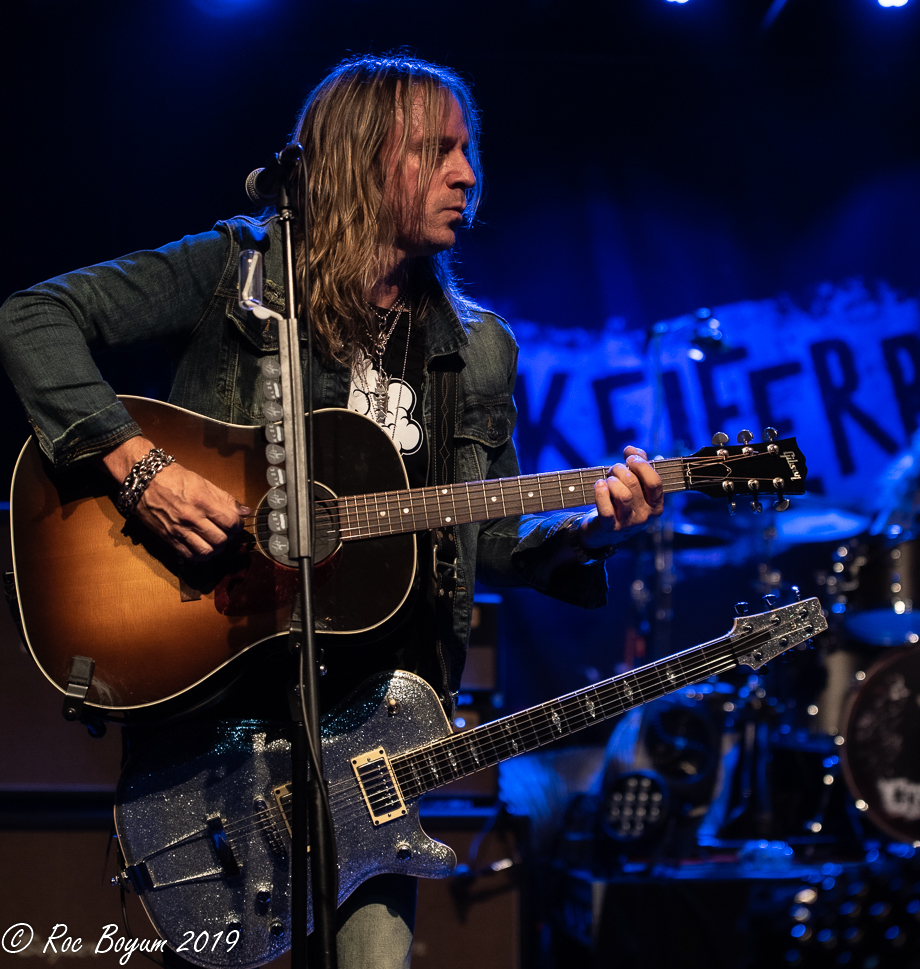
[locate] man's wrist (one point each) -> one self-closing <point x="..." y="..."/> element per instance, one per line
<point x="121" y="459"/>
<point x="583" y="553"/>
<point x="139" y="477"/>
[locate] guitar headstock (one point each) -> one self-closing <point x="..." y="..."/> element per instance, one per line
<point x="727" y="471"/>
<point x="765" y="635"/>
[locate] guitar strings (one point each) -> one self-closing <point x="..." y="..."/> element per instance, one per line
<point x="671" y="471"/>
<point x="349" y="808"/>
<point x="502" y="748"/>
<point x="379" y="506"/>
<point x="535" y="718"/>
<point x="633" y="687"/>
<point x="538" y="723"/>
<point x="411" y="510"/>
<point x="636" y="687"/>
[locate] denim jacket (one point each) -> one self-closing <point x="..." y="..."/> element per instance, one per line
<point x="186" y="293"/>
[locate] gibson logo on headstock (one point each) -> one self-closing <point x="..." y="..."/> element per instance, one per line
<point x="791" y="458"/>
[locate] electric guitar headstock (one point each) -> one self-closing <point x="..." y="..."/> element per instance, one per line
<point x="759" y="638"/>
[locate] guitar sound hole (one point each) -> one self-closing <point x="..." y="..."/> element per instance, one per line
<point x="328" y="533"/>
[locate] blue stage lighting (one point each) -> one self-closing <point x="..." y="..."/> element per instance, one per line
<point x="226" y="8"/>
<point x="684" y="1"/>
<point x="891" y="3"/>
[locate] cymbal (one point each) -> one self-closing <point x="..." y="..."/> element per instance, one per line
<point x="809" y="518"/>
<point x="690" y="535"/>
<point x="689" y="532"/>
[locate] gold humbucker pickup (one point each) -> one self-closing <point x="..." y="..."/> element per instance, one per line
<point x="378" y="786"/>
<point x="282" y="796"/>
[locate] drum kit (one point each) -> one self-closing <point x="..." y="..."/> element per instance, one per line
<point x="847" y="710"/>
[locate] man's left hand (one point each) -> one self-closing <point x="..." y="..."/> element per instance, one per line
<point x="625" y="500"/>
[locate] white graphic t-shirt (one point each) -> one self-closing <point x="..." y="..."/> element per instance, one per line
<point x="400" y="423"/>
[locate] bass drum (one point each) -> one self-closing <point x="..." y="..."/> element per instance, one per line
<point x="881" y="753"/>
<point x="888" y="589"/>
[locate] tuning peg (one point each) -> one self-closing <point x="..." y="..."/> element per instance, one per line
<point x="770" y="599"/>
<point x="770" y="433"/>
<point x="719" y="439"/>
<point x="754" y="487"/>
<point x="745" y="437"/>
<point x="797" y="592"/>
<point x="741" y="608"/>
<point x="781" y="503"/>
<point x="732" y="508"/>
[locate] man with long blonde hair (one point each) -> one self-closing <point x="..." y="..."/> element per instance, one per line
<point x="391" y="150"/>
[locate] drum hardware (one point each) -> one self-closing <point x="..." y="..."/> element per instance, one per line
<point x="887" y="581"/>
<point x="743" y="810"/>
<point x="838" y="584"/>
<point x="780" y="774"/>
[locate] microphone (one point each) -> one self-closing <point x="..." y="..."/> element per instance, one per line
<point x="264" y="184"/>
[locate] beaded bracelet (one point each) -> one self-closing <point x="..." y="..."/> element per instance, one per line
<point x="139" y="477"/>
<point x="586" y="556"/>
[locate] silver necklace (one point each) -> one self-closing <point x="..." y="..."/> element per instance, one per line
<point x="380" y="394"/>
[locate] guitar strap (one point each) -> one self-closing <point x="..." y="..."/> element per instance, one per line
<point x="443" y="471"/>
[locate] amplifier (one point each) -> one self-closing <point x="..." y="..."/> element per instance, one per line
<point x="475" y="917"/>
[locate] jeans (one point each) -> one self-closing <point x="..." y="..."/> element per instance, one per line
<point x="375" y="924"/>
<point x="373" y="927"/>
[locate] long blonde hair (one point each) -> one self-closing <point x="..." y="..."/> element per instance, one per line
<point x="344" y="127"/>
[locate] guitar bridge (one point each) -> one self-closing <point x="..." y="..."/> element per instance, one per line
<point x="222" y="847"/>
<point x="378" y="786"/>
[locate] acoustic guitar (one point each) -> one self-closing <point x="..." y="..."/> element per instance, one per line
<point x="164" y="633"/>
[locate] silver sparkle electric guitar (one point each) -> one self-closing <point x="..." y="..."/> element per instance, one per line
<point x="204" y="822"/>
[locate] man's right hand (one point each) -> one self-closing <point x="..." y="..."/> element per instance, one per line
<point x="192" y="515"/>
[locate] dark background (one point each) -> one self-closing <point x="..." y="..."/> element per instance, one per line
<point x="642" y="158"/>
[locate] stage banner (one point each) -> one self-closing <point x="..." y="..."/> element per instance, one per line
<point x="841" y="374"/>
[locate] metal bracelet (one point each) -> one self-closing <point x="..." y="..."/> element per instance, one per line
<point x="139" y="477"/>
<point x="586" y="556"/>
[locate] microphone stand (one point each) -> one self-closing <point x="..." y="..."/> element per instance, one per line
<point x="313" y="855"/>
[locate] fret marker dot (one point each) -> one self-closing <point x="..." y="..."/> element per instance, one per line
<point x="530" y="494"/>
<point x="447" y="519"/>
<point x="383" y="514"/>
<point x="444" y="491"/>
<point x="405" y="511"/>
<point x="494" y="498"/>
<point x="571" y="487"/>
